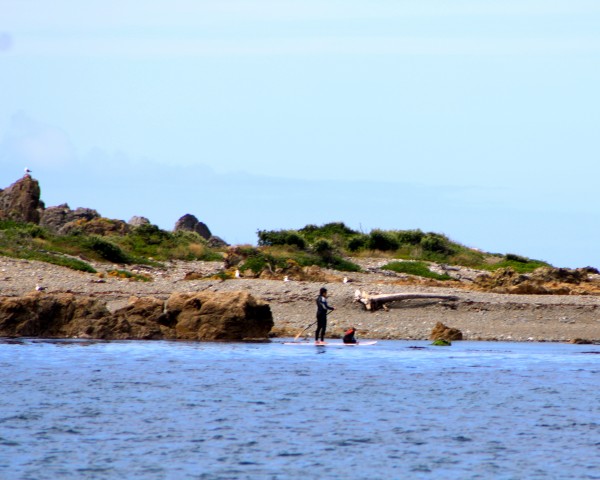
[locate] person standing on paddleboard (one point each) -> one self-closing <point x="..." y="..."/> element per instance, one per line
<point x="322" y="310"/>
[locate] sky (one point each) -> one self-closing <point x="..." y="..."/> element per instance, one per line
<point x="477" y="119"/>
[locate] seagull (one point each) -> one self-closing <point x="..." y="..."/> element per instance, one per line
<point x="27" y="171"/>
<point x="39" y="288"/>
<point x="237" y="274"/>
<point x="286" y="279"/>
<point x="345" y="280"/>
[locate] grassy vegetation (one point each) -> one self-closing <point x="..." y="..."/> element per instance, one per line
<point x="276" y="257"/>
<point x="150" y="242"/>
<point x="517" y="263"/>
<point x="336" y="239"/>
<point x="332" y="245"/>
<point x="30" y="242"/>
<point x="146" y="244"/>
<point x="420" y="269"/>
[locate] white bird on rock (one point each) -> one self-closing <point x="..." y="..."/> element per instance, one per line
<point x="237" y="274"/>
<point x="27" y="171"/>
<point x="39" y="288"/>
<point x="286" y="279"/>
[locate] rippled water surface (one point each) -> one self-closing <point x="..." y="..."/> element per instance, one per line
<point x="169" y="410"/>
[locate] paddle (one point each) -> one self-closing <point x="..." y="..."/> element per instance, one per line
<point x="298" y="336"/>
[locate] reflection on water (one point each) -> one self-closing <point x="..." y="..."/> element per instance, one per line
<point x="155" y="410"/>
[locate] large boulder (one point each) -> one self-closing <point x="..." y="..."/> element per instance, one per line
<point x="442" y="332"/>
<point x="230" y="316"/>
<point x="21" y="201"/>
<point x="140" y="319"/>
<point x="190" y="223"/>
<point x="50" y="316"/>
<point x="219" y="316"/>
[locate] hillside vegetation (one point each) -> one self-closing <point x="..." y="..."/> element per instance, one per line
<point x="332" y="245"/>
<point x="413" y="247"/>
<point x="146" y="244"/>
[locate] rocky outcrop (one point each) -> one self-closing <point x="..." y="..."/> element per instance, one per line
<point x="217" y="242"/>
<point x="190" y="223"/>
<point x="98" y="226"/>
<point x="51" y="316"/>
<point x="136" y="221"/>
<point x="61" y="218"/>
<point x="542" y="281"/>
<point x="21" y="201"/>
<point x="442" y="332"/>
<point x="233" y="316"/>
<point x="63" y="221"/>
<point x="219" y="316"/>
<point x="581" y="341"/>
<point x="141" y="319"/>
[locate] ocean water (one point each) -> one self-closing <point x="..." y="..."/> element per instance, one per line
<point x="398" y="409"/>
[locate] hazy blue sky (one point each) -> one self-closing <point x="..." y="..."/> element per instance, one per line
<point x="478" y="119"/>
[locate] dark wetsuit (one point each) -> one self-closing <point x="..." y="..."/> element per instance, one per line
<point x="349" y="336"/>
<point x="322" y="308"/>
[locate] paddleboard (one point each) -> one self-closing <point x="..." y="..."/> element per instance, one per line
<point x="331" y="344"/>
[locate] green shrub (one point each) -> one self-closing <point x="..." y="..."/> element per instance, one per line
<point x="323" y="248"/>
<point x="150" y="234"/>
<point x="282" y="237"/>
<point x="410" y="237"/>
<point x="357" y="242"/>
<point x="343" y="265"/>
<point x="261" y="261"/>
<point x="381" y="240"/>
<point x="435" y="243"/>
<point x="511" y="257"/>
<point x="336" y="232"/>
<point x="256" y="263"/>
<point x="106" y="250"/>
<point x="295" y="240"/>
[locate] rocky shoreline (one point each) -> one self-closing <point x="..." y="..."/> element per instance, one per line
<point x="479" y="315"/>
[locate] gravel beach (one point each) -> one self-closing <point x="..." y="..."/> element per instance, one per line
<point x="479" y="315"/>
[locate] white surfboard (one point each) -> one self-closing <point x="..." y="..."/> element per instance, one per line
<point x="331" y="344"/>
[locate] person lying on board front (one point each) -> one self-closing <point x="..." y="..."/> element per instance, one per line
<point x="349" y="336"/>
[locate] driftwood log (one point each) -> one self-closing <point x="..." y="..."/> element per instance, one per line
<point x="375" y="302"/>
